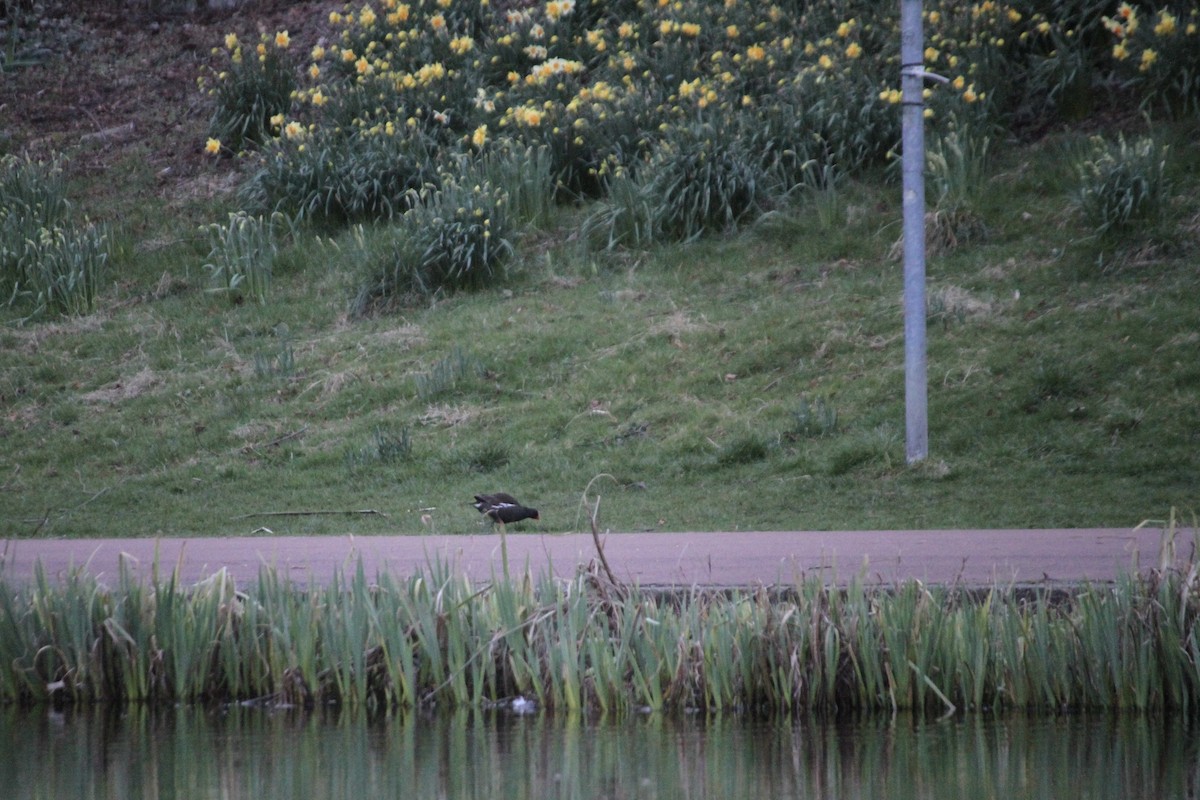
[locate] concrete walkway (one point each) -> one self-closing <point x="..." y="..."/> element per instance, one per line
<point x="972" y="557"/>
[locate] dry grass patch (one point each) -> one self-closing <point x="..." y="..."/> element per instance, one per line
<point x="406" y="336"/>
<point x="251" y="430"/>
<point x="335" y="382"/>
<point x="205" y="186"/>
<point x="955" y="301"/>
<point x="449" y="415"/>
<point x="124" y="389"/>
<point x="31" y="338"/>
<point x="678" y="323"/>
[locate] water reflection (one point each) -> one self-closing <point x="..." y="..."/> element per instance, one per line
<point x="253" y="753"/>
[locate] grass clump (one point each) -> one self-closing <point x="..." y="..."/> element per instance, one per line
<point x="335" y="177"/>
<point x="448" y="373"/>
<point x="453" y="238"/>
<point x="48" y="262"/>
<point x="387" y="447"/>
<point x="956" y="165"/>
<point x="1122" y="184"/>
<point x="745" y="449"/>
<point x="242" y="254"/>
<point x="814" y="418"/>
<point x="281" y="363"/>
<point x="460" y="234"/>
<point x="698" y="181"/>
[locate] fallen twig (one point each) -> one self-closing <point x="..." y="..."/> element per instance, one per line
<point x="593" y="518"/>
<point x="321" y="513"/>
<point x="276" y="442"/>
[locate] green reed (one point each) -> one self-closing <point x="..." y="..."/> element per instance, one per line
<point x="586" y="644"/>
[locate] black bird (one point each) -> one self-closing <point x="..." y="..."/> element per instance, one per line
<point x="503" y="508"/>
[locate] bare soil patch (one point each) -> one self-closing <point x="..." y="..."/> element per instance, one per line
<point x="115" y="82"/>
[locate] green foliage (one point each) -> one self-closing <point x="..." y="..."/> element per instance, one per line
<point x="745" y="449"/>
<point x="331" y="176"/>
<point x="814" y="418"/>
<point x="1053" y="64"/>
<point x="486" y="457"/>
<point x="956" y="166"/>
<point x="699" y="181"/>
<point x="617" y="93"/>
<point x="522" y="175"/>
<point x="956" y="176"/>
<point x="446" y="373"/>
<point x="841" y="121"/>
<point x="607" y="96"/>
<point x="692" y="182"/>
<point x="48" y="263"/>
<point x="253" y="92"/>
<point x="1121" y="184"/>
<point x="281" y="363"/>
<point x="585" y="644"/>
<point x="625" y="218"/>
<point x="461" y="232"/>
<point x="1156" y="47"/>
<point x="242" y="253"/>
<point x="386" y="448"/>
<point x="453" y="238"/>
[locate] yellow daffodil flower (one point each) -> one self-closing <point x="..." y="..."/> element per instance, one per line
<point x="1166" y="24"/>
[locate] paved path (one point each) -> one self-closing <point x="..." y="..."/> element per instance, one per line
<point x="973" y="557"/>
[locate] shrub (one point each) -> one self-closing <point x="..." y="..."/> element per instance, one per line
<point x="461" y="233"/>
<point x="252" y="93"/>
<point x="1121" y="184"/>
<point x="699" y="180"/>
<point x="453" y="238"/>
<point x="698" y="112"/>
<point x="332" y="176"/>
<point x="1159" y="52"/>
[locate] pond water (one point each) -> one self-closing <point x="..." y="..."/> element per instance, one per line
<point x="255" y="753"/>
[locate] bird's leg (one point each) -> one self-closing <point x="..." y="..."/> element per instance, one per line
<point x="504" y="550"/>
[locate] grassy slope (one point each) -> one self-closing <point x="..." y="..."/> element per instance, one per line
<point x="1060" y="394"/>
